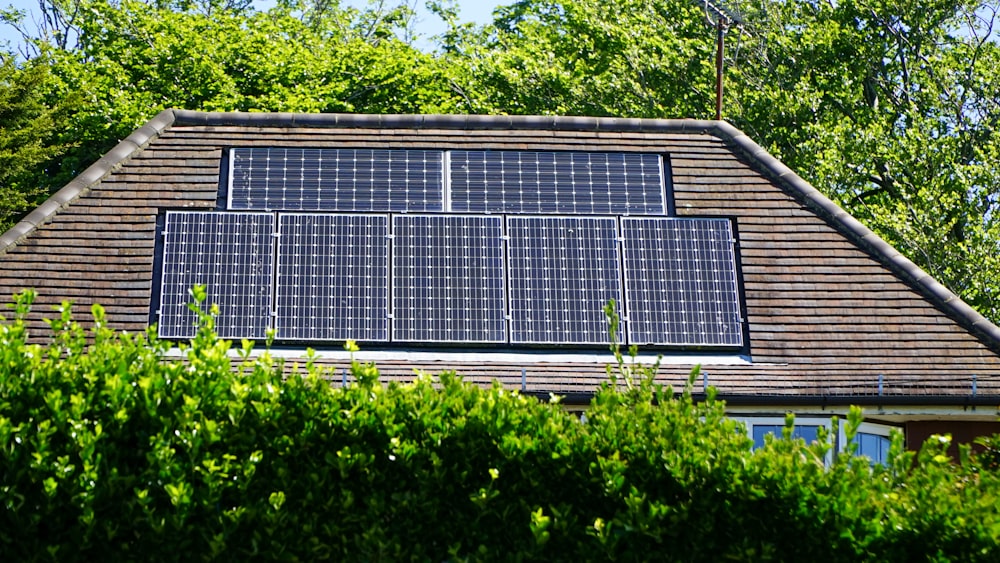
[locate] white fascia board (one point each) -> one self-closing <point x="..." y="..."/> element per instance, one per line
<point x="892" y="414"/>
<point x="494" y="357"/>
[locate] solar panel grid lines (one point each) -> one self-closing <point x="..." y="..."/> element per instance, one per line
<point x="580" y="183"/>
<point x="448" y="279"/>
<point x="359" y="180"/>
<point x="562" y="271"/>
<point x="333" y="277"/>
<point x="229" y="253"/>
<point x="680" y="282"/>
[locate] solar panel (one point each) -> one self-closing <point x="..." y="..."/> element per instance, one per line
<point x="360" y="180"/>
<point x="680" y="280"/>
<point x="556" y="182"/>
<point x="231" y="254"/>
<point x="448" y="279"/>
<point x="333" y="277"/>
<point x="563" y="270"/>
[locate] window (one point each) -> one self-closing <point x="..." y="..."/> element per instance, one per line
<point x="872" y="439"/>
<point x="469" y="247"/>
<point x="758" y="428"/>
<point x="805" y="431"/>
<point x="873" y="442"/>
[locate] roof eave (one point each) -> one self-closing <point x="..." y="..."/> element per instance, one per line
<point x="584" y="398"/>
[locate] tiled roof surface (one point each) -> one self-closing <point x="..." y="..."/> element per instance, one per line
<point x="832" y="309"/>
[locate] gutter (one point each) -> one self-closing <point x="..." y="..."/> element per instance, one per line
<point x="584" y="398"/>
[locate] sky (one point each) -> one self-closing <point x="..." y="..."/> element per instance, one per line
<point x="477" y="11"/>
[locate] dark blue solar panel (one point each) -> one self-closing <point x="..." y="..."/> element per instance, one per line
<point x="333" y="277"/>
<point x="563" y="270"/>
<point x="556" y="182"/>
<point x="680" y="280"/>
<point x="231" y="254"/>
<point x="447" y="283"/>
<point x="361" y="180"/>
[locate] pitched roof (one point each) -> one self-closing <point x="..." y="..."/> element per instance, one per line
<point x="833" y="311"/>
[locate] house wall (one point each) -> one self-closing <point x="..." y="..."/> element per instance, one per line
<point x="961" y="433"/>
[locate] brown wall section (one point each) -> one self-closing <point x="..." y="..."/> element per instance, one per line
<point x="961" y="433"/>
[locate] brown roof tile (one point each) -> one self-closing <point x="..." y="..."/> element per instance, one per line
<point x="830" y="308"/>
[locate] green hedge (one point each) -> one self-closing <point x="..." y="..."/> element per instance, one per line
<point x="111" y="451"/>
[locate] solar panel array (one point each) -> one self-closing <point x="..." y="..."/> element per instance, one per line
<point x="448" y="279"/>
<point x="360" y="180"/>
<point x="556" y="182"/>
<point x="562" y="272"/>
<point x="333" y="277"/>
<point x="406" y="246"/>
<point x="680" y="279"/>
<point x="229" y="253"/>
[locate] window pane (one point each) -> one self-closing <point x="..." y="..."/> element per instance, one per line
<point x="806" y="432"/>
<point x="874" y="446"/>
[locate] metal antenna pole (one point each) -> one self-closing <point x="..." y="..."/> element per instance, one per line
<point x="720" y="42"/>
<point x="721" y="17"/>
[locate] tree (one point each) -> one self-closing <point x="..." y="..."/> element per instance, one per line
<point x="27" y="131"/>
<point x="634" y="58"/>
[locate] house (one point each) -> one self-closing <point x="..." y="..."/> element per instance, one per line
<point x="490" y="245"/>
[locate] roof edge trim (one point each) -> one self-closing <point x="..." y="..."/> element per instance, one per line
<point x="583" y="398"/>
<point x="442" y="121"/>
<point x="892" y="258"/>
<point x="82" y="183"/>
<point x="526" y="358"/>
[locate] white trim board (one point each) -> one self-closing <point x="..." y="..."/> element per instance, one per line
<point x="494" y="357"/>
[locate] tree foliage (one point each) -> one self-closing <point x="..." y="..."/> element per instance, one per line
<point x="578" y="58"/>
<point x="27" y="135"/>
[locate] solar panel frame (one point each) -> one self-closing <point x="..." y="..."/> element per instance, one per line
<point x="355" y="180"/>
<point x="198" y="248"/>
<point x="551" y="182"/>
<point x="533" y="279"/>
<point x="349" y="258"/>
<point x="462" y="266"/>
<point x="681" y="273"/>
